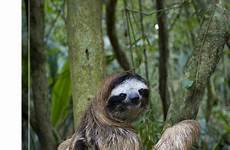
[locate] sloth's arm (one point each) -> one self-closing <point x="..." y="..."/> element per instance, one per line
<point x="181" y="136"/>
<point x="69" y="144"/>
<point x="64" y="145"/>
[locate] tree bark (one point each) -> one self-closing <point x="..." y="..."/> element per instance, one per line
<point x="86" y="53"/>
<point x="201" y="65"/>
<point x="38" y="75"/>
<point x="111" y="31"/>
<point x="211" y="99"/>
<point x="164" y="55"/>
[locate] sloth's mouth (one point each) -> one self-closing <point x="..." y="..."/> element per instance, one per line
<point x="133" y="104"/>
<point x="126" y="111"/>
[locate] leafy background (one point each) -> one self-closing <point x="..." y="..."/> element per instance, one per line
<point x="183" y="24"/>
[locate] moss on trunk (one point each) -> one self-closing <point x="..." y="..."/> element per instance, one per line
<point x="85" y="51"/>
<point x="202" y="63"/>
<point x="39" y="77"/>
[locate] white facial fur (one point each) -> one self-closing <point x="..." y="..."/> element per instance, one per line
<point x="130" y="85"/>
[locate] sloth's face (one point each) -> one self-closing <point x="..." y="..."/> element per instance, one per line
<point x="128" y="98"/>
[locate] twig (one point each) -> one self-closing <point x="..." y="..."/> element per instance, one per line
<point x="156" y="11"/>
<point x="61" y="8"/>
<point x="191" y="34"/>
<point x="55" y="19"/>
<point x="174" y="20"/>
<point x="128" y="32"/>
<point x="144" y="37"/>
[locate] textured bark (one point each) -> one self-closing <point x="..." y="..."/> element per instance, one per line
<point x="24" y="78"/>
<point x="38" y="75"/>
<point x="201" y="65"/>
<point x="164" y="55"/>
<point x="111" y="31"/>
<point x="211" y="99"/>
<point x="86" y="53"/>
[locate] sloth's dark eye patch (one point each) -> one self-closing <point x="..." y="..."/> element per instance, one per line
<point x="116" y="100"/>
<point x="122" y="96"/>
<point x="144" y="92"/>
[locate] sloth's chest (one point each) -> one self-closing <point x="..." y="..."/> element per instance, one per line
<point x="118" y="140"/>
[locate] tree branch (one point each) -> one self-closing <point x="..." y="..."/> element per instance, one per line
<point x="201" y="65"/>
<point x="174" y="6"/>
<point x="38" y="74"/>
<point x="164" y="55"/>
<point x="111" y="31"/>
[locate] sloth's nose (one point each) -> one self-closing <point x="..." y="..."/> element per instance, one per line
<point x="134" y="98"/>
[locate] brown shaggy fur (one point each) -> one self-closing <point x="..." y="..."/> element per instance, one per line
<point x="180" y="136"/>
<point x="99" y="131"/>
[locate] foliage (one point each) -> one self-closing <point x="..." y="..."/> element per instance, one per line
<point x="183" y="24"/>
<point x="60" y="95"/>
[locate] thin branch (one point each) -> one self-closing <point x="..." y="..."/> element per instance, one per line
<point x="128" y="32"/>
<point x="163" y="58"/>
<point x="175" y="20"/>
<point x="53" y="23"/>
<point x="201" y="65"/>
<point x="175" y="6"/>
<point x="111" y="31"/>
<point x="134" y="18"/>
<point x="62" y="7"/>
<point x="190" y="33"/>
<point x="131" y="26"/>
<point x="144" y="37"/>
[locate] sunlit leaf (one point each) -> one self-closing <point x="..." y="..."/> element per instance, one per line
<point x="60" y="96"/>
<point x="186" y="83"/>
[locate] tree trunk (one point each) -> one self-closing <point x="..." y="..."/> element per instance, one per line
<point x="86" y="53"/>
<point x="164" y="55"/>
<point x="202" y="63"/>
<point x="111" y="31"/>
<point x="38" y="75"/>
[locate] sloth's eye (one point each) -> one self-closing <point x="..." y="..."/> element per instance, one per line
<point x="144" y="92"/>
<point x="116" y="100"/>
<point x="122" y="95"/>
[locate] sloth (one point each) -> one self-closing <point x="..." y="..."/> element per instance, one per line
<point x="106" y="124"/>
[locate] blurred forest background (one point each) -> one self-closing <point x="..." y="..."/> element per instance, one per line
<point x="69" y="46"/>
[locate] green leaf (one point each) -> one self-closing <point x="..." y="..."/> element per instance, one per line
<point x="186" y="83"/>
<point x="60" y="96"/>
